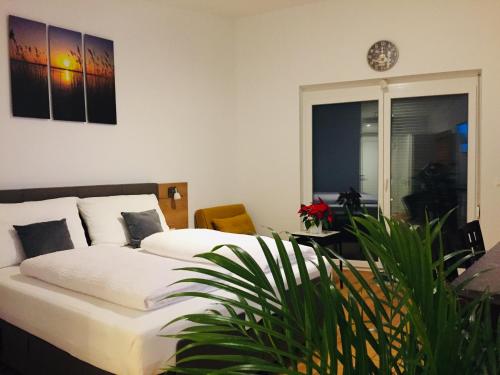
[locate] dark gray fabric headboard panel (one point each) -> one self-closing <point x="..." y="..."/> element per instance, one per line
<point x="24" y="195"/>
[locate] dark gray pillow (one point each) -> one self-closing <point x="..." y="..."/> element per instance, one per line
<point x="141" y="225"/>
<point x="44" y="238"/>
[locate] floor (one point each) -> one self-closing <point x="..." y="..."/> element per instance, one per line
<point x="368" y="276"/>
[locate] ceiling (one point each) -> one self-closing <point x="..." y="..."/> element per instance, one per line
<point x="236" y="8"/>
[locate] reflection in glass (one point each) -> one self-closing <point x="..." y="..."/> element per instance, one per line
<point x="429" y="158"/>
<point x="345" y="155"/>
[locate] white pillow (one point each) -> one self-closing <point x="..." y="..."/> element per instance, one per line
<point x="11" y="249"/>
<point x="103" y="217"/>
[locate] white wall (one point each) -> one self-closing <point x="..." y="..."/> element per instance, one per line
<point x="175" y="103"/>
<point x="327" y="42"/>
<point x="176" y="86"/>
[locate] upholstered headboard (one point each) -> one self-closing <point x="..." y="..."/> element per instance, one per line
<point x="24" y="195"/>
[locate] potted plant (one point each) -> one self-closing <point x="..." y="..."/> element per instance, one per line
<point x="316" y="216"/>
<point x="350" y="200"/>
<point x="410" y="323"/>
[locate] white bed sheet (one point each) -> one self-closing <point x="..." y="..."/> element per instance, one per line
<point x="108" y="336"/>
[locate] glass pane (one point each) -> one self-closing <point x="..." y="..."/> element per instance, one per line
<point x="429" y="158"/>
<point x="345" y="155"/>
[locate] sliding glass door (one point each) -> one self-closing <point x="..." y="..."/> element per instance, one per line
<point x="345" y="157"/>
<point x="343" y="153"/>
<point x="430" y="154"/>
<point x="409" y="148"/>
<point x="345" y="148"/>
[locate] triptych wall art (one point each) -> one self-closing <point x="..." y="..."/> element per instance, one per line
<point x="81" y="79"/>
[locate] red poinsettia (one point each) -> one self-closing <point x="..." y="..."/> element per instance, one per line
<point x="316" y="213"/>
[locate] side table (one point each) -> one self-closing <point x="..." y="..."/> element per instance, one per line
<point x="326" y="239"/>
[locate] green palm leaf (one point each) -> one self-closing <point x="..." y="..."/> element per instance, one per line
<point x="406" y="320"/>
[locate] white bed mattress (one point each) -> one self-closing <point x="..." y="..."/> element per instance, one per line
<point x="108" y="336"/>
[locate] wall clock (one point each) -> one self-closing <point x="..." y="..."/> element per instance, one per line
<point x="382" y="55"/>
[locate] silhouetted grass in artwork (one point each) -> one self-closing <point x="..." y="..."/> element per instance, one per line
<point x="28" y="68"/>
<point x="29" y="89"/>
<point x="68" y="101"/>
<point x="66" y="75"/>
<point x="101" y="99"/>
<point x="100" y="80"/>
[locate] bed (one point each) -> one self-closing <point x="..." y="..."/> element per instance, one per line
<point x="46" y="329"/>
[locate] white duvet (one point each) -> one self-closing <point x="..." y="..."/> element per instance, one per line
<point x="115" y="274"/>
<point x="140" y="280"/>
<point x="184" y="244"/>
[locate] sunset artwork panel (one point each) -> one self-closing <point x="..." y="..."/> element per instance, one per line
<point x="28" y="68"/>
<point x="100" y="80"/>
<point x="66" y="75"/>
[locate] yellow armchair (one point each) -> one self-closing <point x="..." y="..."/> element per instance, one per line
<point x="231" y="218"/>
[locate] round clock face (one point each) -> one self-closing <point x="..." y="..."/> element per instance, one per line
<point x="382" y="56"/>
